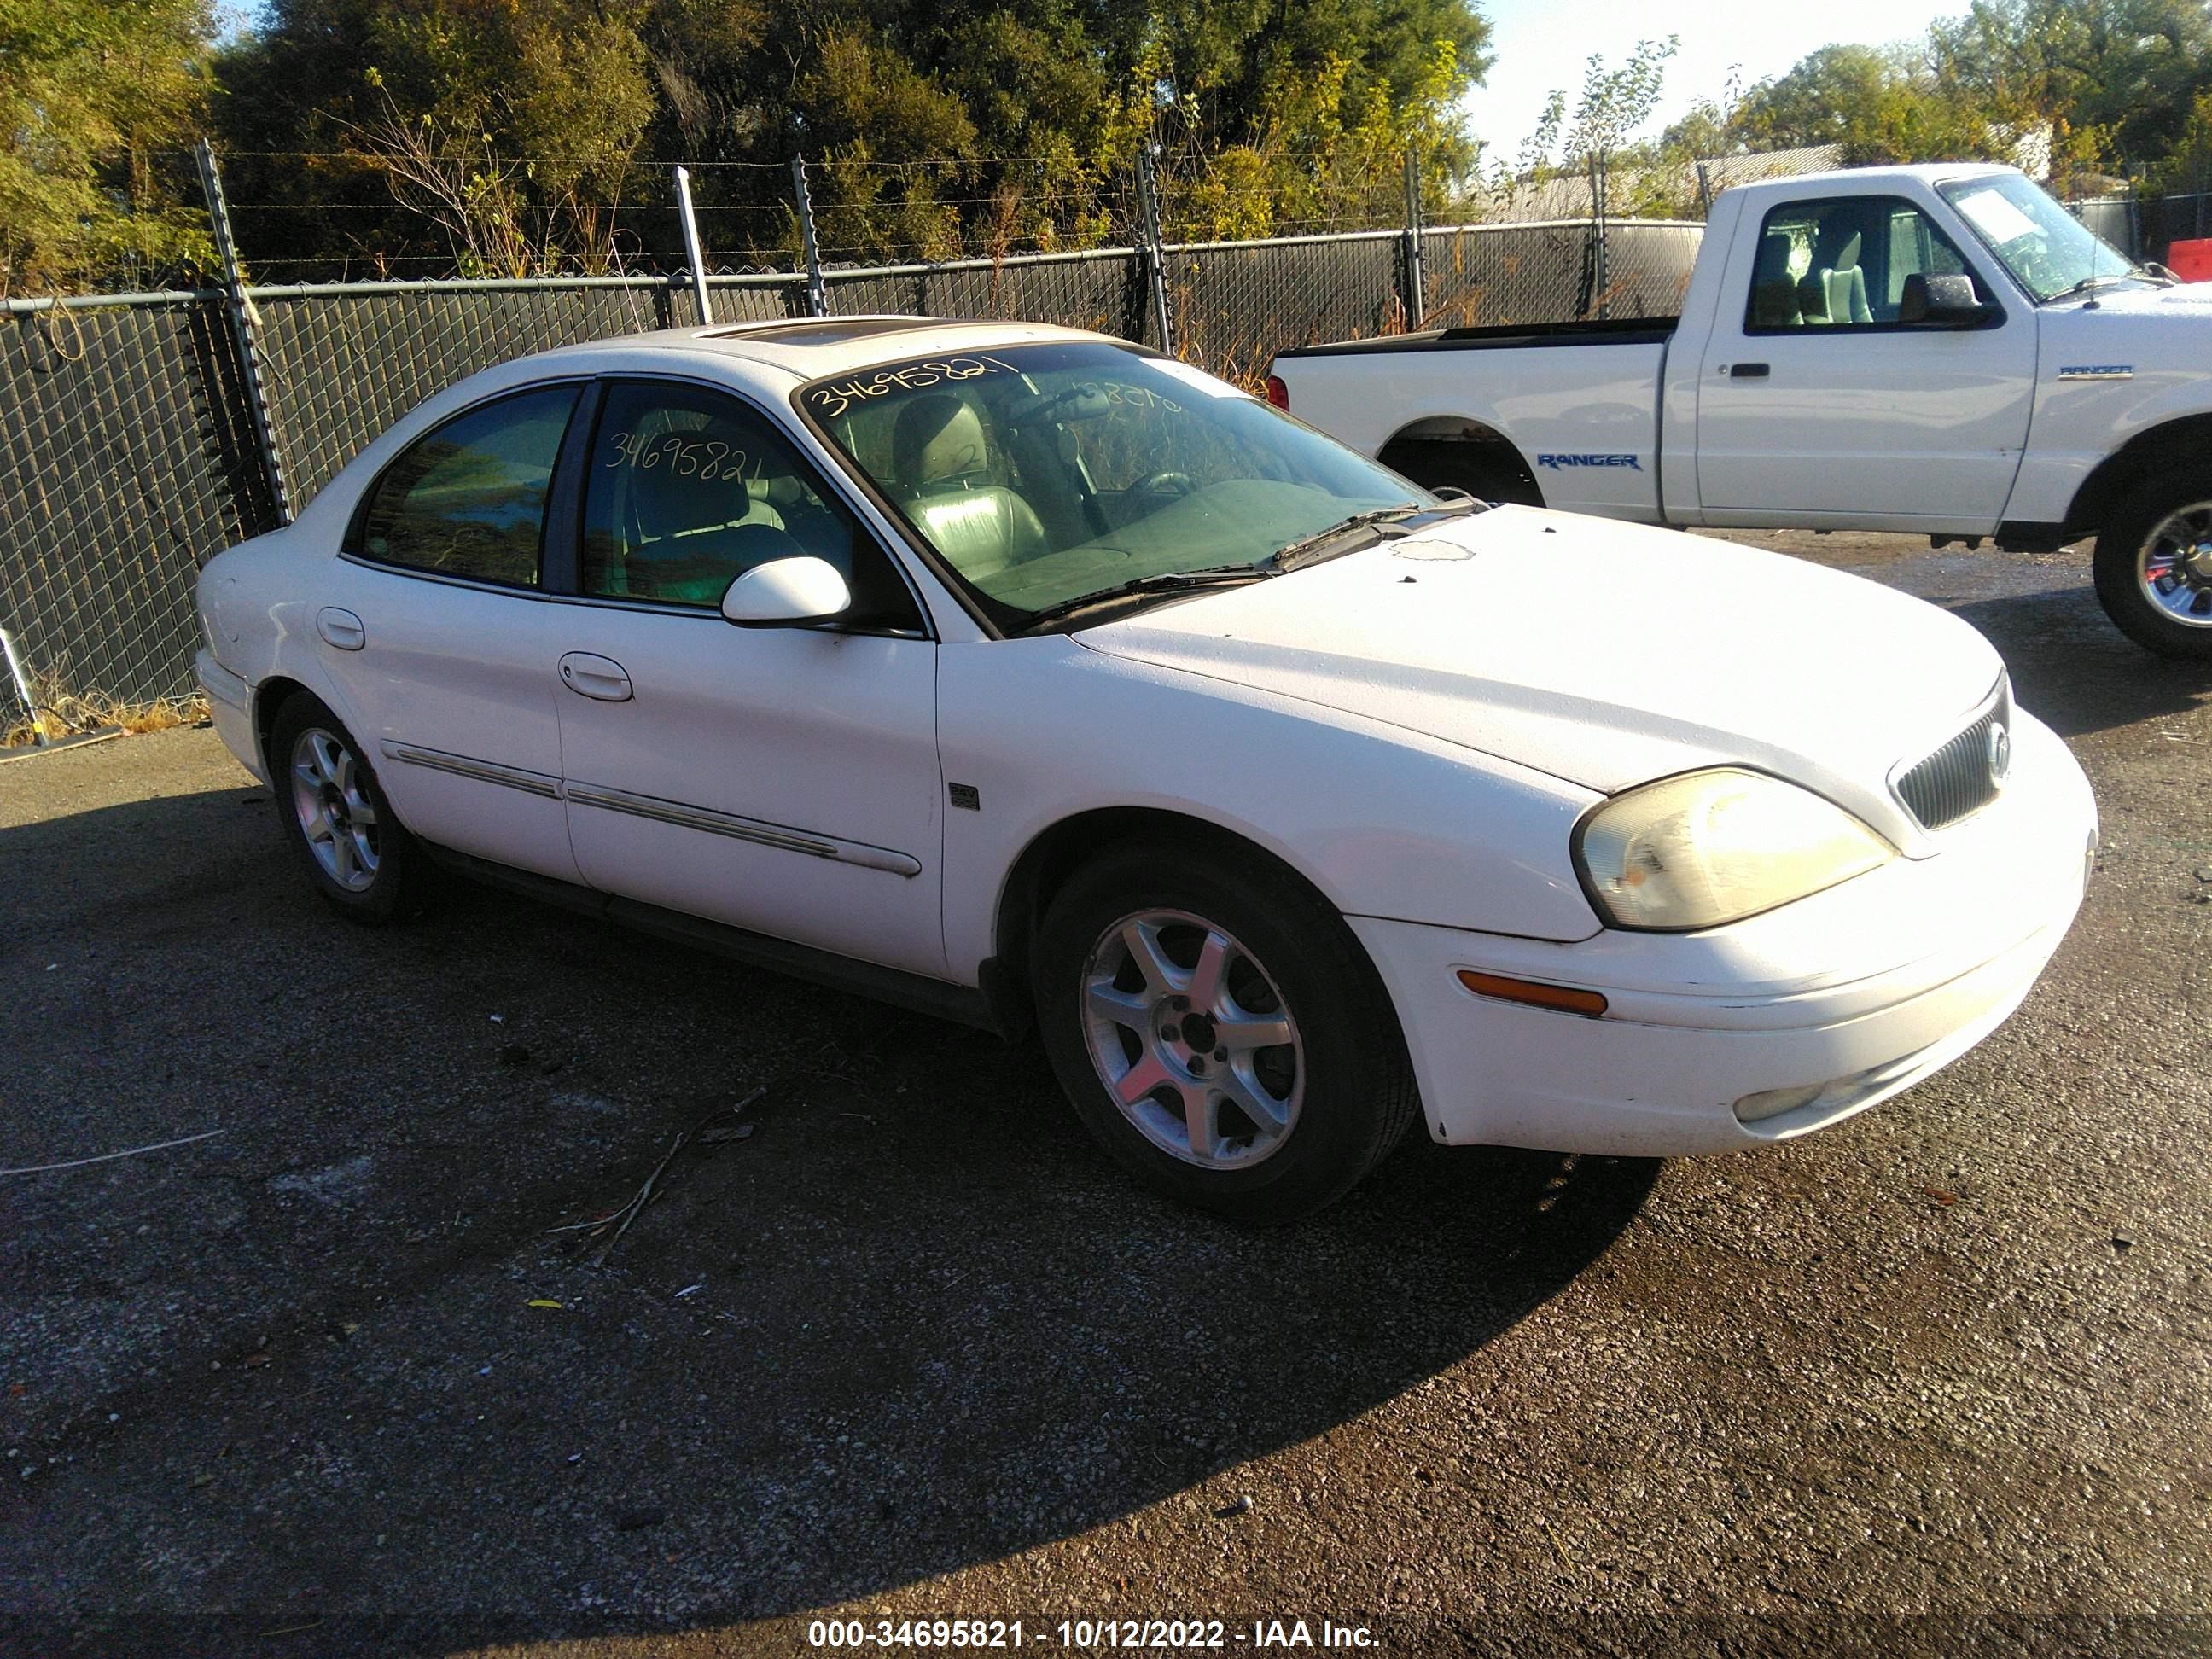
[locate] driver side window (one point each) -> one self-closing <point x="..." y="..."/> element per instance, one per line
<point x="688" y="488"/>
<point x="1841" y="263"/>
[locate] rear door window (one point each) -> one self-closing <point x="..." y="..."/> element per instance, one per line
<point x="468" y="500"/>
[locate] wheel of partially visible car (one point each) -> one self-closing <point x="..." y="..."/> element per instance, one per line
<point x="1220" y="1031"/>
<point x="333" y="811"/>
<point x="2154" y="566"/>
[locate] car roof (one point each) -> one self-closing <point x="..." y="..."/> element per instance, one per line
<point x="808" y="347"/>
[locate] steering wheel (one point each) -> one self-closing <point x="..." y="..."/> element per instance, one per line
<point x="1162" y="483"/>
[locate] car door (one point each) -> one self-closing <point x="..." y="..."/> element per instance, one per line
<point x="781" y="780"/>
<point x="1817" y="405"/>
<point x="436" y="622"/>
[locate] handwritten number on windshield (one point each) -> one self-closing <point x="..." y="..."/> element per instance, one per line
<point x="831" y="401"/>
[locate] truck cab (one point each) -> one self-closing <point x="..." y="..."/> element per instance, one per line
<point x="1939" y="350"/>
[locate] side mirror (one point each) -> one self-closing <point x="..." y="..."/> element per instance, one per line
<point x="800" y="588"/>
<point x="1942" y="300"/>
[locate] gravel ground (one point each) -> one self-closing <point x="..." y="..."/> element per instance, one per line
<point x="1934" y="1381"/>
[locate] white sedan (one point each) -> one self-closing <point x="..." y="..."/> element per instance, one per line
<point x="1022" y="675"/>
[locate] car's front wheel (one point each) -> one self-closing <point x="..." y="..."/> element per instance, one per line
<point x="1221" y="1032"/>
<point x="2154" y="566"/>
<point x="335" y="816"/>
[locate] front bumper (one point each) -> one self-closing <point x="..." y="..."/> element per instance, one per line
<point x="1867" y="988"/>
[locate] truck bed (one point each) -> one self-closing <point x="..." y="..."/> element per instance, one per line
<point x="1616" y="330"/>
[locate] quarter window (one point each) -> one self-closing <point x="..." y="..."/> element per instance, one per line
<point x="689" y="489"/>
<point x="1842" y="263"/>
<point x="468" y="500"/>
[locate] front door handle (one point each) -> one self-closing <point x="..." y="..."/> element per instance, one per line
<point x="340" y="630"/>
<point x="1746" y="371"/>
<point x="599" y="678"/>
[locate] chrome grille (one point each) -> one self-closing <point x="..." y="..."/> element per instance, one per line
<point x="1956" y="780"/>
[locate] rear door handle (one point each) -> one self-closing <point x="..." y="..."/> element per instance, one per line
<point x="1746" y="371"/>
<point x="599" y="678"/>
<point x="340" y="628"/>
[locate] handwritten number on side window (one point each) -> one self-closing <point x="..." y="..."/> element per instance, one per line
<point x="686" y="458"/>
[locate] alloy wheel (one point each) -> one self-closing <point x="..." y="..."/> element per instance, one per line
<point x="2174" y="565"/>
<point x="335" y="813"/>
<point x="1193" y="1039"/>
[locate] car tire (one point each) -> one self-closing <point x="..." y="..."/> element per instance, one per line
<point x="2154" y="566"/>
<point x="1283" y="1128"/>
<point x="335" y="816"/>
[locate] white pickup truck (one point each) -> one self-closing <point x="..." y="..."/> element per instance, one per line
<point x="1941" y="350"/>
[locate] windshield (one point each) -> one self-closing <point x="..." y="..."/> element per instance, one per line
<point x="1044" y="474"/>
<point x="2048" y="251"/>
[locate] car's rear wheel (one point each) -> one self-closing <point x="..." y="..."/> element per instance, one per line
<point x="1221" y="1033"/>
<point x="2154" y="567"/>
<point x="355" y="852"/>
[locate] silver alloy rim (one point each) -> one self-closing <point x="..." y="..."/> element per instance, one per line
<point x="334" y="812"/>
<point x="1193" y="1039"/>
<point x="2174" y="565"/>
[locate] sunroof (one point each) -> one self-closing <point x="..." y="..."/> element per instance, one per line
<point x="827" y="331"/>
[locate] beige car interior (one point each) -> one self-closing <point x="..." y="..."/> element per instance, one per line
<point x="941" y="460"/>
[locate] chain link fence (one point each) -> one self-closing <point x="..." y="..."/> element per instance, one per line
<point x="131" y="459"/>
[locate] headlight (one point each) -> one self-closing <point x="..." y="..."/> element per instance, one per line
<point x="1713" y="847"/>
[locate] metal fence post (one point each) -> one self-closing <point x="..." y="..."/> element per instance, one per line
<point x="817" y="296"/>
<point x="1417" y="287"/>
<point x="1148" y="199"/>
<point x="243" y="323"/>
<point x="1597" y="230"/>
<point x="691" y="245"/>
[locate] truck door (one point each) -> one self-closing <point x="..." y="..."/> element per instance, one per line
<point x="1818" y="406"/>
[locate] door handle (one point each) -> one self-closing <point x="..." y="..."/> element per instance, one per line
<point x="340" y="629"/>
<point x="1746" y="371"/>
<point x="601" y="678"/>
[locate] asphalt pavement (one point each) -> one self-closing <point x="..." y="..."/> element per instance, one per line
<point x="895" y="1343"/>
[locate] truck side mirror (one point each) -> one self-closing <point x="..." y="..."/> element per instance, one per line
<point x="1940" y="300"/>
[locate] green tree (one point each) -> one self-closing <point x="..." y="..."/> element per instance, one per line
<point x="98" y="97"/>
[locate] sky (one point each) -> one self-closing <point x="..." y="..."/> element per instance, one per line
<point x="1541" y="44"/>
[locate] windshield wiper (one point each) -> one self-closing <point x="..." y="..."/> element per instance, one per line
<point x="1167" y="581"/>
<point x="1312" y="549"/>
<point x="2096" y="280"/>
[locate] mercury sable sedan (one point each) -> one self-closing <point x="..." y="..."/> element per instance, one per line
<point x="1027" y="676"/>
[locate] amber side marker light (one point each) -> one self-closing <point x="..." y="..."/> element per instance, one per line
<point x="1564" y="999"/>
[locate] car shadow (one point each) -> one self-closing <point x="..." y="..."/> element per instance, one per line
<point x="910" y="1322"/>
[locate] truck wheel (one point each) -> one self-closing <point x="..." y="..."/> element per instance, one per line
<point x="334" y="816"/>
<point x="2154" y="567"/>
<point x="1221" y="1033"/>
<point x="1488" y="471"/>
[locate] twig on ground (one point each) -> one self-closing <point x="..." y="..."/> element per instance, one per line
<point x="620" y="1219"/>
<point x="109" y="1158"/>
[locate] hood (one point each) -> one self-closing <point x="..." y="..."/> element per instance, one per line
<point x="1604" y="653"/>
<point x="2192" y="301"/>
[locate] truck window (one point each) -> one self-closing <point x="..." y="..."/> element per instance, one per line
<point x="1841" y="263"/>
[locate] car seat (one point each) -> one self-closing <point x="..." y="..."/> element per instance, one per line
<point x="681" y="543"/>
<point x="941" y="462"/>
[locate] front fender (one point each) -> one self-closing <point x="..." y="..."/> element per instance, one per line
<point x="1382" y="821"/>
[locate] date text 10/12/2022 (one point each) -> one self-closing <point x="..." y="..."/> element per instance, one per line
<point x="1260" y="1635"/>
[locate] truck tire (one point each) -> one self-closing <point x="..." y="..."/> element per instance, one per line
<point x="2153" y="565"/>
<point x="1488" y="471"/>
